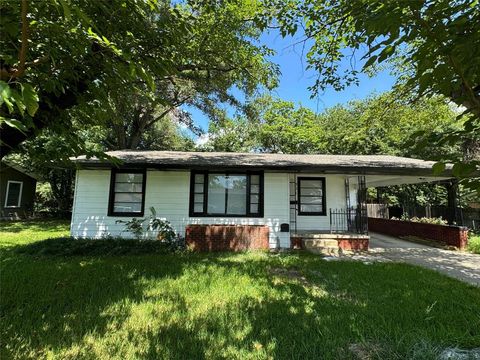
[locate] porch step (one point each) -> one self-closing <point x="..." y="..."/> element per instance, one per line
<point x="320" y="242"/>
<point x="321" y="246"/>
<point x="329" y="251"/>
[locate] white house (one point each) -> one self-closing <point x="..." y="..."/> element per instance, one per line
<point x="287" y="194"/>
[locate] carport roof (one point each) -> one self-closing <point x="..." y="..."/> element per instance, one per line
<point x="345" y="164"/>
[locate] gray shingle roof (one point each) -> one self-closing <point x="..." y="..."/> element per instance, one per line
<point x="368" y="164"/>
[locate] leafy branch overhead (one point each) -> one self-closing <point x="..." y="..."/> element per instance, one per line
<point x="431" y="46"/>
<point x="185" y="53"/>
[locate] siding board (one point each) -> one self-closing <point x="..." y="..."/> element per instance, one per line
<point x="169" y="192"/>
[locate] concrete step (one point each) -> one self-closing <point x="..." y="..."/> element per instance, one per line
<point x="329" y="251"/>
<point x="320" y="243"/>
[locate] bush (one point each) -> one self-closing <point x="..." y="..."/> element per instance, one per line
<point x="162" y="229"/>
<point x="424" y="220"/>
<point x="474" y="244"/>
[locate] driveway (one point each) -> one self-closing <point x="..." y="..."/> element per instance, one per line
<point x="460" y="265"/>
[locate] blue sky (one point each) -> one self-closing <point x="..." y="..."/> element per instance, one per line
<point x="295" y="80"/>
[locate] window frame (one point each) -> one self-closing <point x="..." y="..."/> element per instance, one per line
<point x="324" y="196"/>
<point x="111" y="200"/>
<point x="248" y="174"/>
<point x="19" y="203"/>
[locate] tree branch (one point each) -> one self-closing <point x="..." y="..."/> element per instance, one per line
<point x="192" y="67"/>
<point x="22" y="56"/>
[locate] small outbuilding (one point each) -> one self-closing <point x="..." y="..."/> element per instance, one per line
<point x="17" y="191"/>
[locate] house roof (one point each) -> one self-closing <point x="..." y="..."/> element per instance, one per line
<point x="19" y="169"/>
<point x="365" y="164"/>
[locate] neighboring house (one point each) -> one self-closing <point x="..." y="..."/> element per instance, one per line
<point x="17" y="191"/>
<point x="236" y="200"/>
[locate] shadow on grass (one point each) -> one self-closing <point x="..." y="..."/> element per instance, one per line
<point x="76" y="303"/>
<point x="66" y="247"/>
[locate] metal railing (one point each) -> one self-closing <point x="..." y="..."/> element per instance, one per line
<point x="351" y="220"/>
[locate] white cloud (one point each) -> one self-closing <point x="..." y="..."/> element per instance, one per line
<point x="202" y="140"/>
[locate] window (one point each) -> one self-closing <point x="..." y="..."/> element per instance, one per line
<point x="13" y="197"/>
<point x="127" y="193"/>
<point x="311" y="196"/>
<point x="226" y="194"/>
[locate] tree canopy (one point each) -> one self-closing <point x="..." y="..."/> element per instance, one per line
<point x="432" y="46"/>
<point x="66" y="54"/>
<point x="380" y="124"/>
<point x="435" y="43"/>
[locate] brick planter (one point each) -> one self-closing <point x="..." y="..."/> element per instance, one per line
<point x="441" y="234"/>
<point x="226" y="237"/>
<point x="296" y="242"/>
<point x="353" y="244"/>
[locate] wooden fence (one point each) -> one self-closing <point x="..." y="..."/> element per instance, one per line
<point x="469" y="217"/>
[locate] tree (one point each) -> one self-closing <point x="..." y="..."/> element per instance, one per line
<point x="380" y="124"/>
<point x="384" y="124"/>
<point x="274" y="126"/>
<point x="232" y="135"/>
<point x="134" y="119"/>
<point x="47" y="155"/>
<point x="286" y="128"/>
<point x="434" y="47"/>
<point x="191" y="51"/>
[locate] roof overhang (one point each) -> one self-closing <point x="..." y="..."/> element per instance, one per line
<point x="389" y="180"/>
<point x="20" y="169"/>
<point x="328" y="164"/>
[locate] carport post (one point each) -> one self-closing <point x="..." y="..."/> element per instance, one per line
<point x="454" y="213"/>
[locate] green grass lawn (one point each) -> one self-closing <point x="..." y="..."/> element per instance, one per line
<point x="18" y="233"/>
<point x="79" y="304"/>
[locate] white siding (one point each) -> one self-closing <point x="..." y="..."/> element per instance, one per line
<point x="168" y="192"/>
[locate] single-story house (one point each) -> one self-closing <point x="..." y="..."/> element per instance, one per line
<point x="17" y="191"/>
<point x="237" y="200"/>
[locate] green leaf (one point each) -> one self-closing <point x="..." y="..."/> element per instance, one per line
<point x="463" y="169"/>
<point x="66" y="9"/>
<point x="438" y="168"/>
<point x="388" y="51"/>
<point x="30" y="98"/>
<point x="9" y="104"/>
<point x="370" y="61"/>
<point x="17" y="124"/>
<point x="147" y="78"/>
<point x="19" y="102"/>
<point x="5" y="91"/>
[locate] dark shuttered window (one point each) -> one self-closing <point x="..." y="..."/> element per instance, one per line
<point x="127" y="193"/>
<point x="311" y="196"/>
<point x="226" y="194"/>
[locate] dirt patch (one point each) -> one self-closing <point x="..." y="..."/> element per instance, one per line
<point x="291" y="274"/>
<point x="365" y="351"/>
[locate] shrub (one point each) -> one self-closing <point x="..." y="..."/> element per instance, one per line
<point x="424" y="220"/>
<point x="474" y="244"/>
<point x="163" y="230"/>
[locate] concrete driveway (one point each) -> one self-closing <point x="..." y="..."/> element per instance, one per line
<point x="461" y="265"/>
